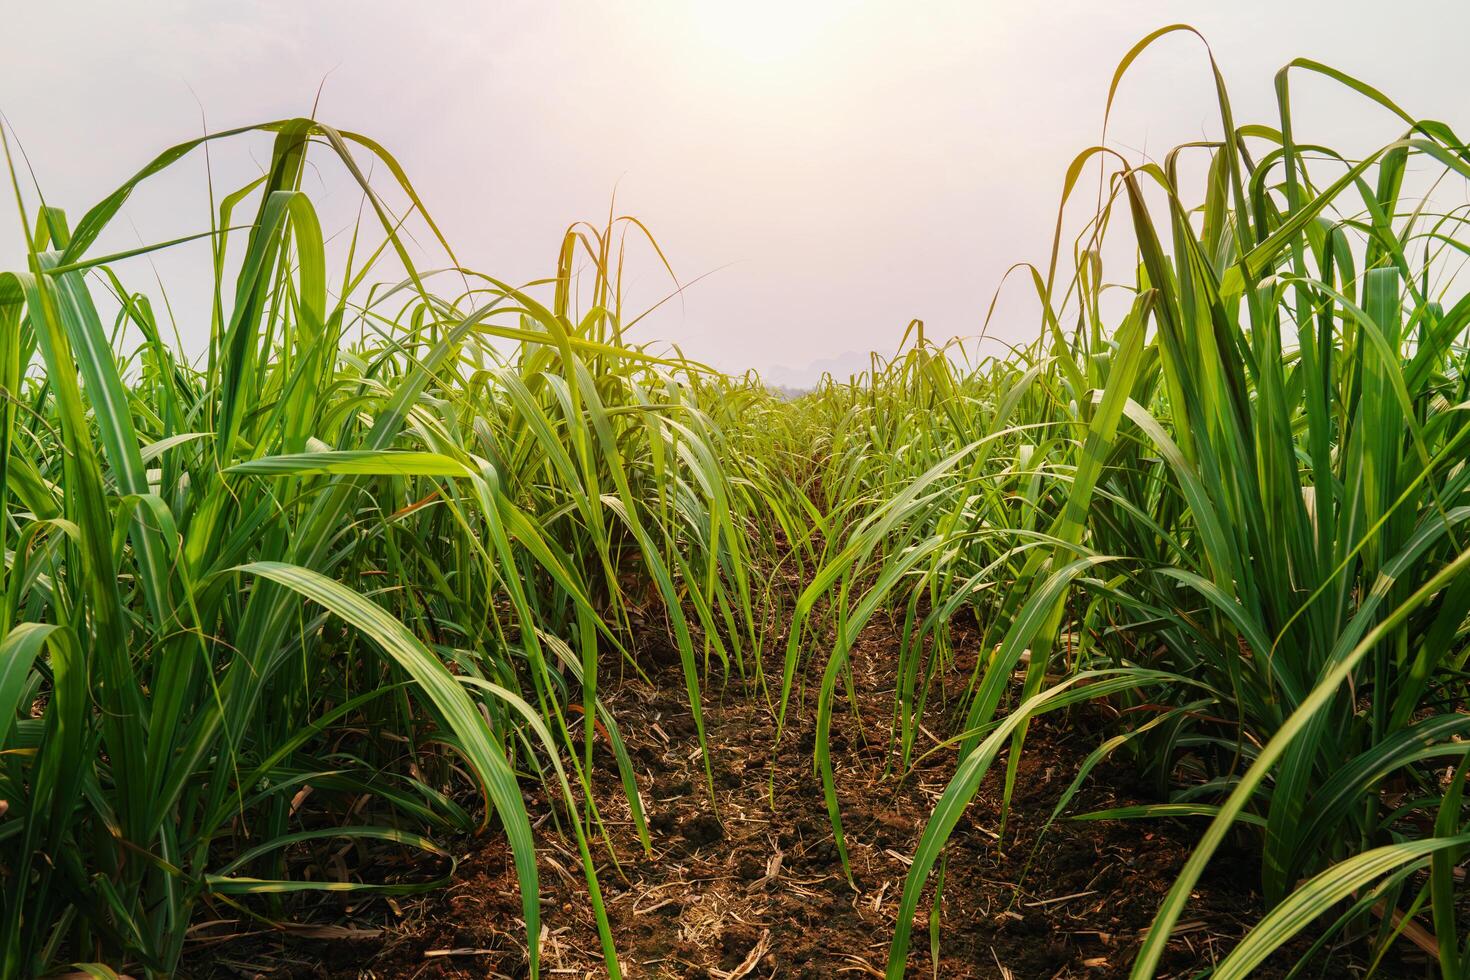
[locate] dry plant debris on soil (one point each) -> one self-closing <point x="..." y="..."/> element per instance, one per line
<point x="758" y="892"/>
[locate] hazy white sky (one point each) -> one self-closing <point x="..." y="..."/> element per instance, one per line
<point x="845" y="166"/>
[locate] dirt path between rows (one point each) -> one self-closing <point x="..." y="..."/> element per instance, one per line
<point x="759" y="892"/>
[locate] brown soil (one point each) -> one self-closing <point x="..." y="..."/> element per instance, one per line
<point x="760" y="893"/>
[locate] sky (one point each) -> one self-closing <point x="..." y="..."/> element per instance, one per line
<point x="827" y="171"/>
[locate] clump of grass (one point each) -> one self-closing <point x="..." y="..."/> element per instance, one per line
<point x="359" y="516"/>
<point x="1242" y="503"/>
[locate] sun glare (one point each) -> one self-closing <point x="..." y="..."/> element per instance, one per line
<point x="766" y="33"/>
